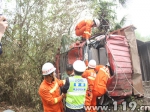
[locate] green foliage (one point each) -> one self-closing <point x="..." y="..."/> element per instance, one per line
<point x="142" y="38"/>
<point x="123" y="2"/>
<point x="107" y="15"/>
<point x="26" y="45"/>
<point x="66" y="43"/>
<point x="37" y="29"/>
<point x="120" y="24"/>
<point x="106" y="11"/>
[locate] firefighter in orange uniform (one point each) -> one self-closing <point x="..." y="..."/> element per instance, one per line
<point x="100" y="83"/>
<point x="49" y="90"/>
<point x="83" y="28"/>
<point x="90" y="75"/>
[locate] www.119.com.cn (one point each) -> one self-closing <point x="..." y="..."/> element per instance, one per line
<point x="131" y="106"/>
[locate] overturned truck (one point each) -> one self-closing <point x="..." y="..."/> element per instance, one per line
<point x="119" y="49"/>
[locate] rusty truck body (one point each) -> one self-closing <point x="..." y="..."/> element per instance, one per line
<point x="120" y="49"/>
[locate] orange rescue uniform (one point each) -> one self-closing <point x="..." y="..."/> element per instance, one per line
<point x="100" y="83"/>
<point x="50" y="95"/>
<point x="83" y="28"/>
<point x="90" y="75"/>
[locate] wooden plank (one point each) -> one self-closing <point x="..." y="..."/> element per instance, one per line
<point x="122" y="65"/>
<point x="117" y="43"/>
<point x="120" y="53"/>
<point x="121" y="93"/>
<point x="115" y="65"/>
<point x="123" y="59"/>
<point x="122" y="82"/>
<point x="120" y="87"/>
<point x="116" y="37"/>
<point x="137" y="77"/>
<point x="118" y="47"/>
<point x="122" y="76"/>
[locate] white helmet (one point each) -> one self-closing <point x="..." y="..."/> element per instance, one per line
<point x="79" y="66"/>
<point x="92" y="64"/>
<point x="48" y="68"/>
<point x="107" y="64"/>
<point x="97" y="22"/>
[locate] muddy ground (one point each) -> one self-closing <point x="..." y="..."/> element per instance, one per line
<point x="139" y="101"/>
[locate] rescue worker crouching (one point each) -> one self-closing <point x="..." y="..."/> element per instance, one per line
<point x="100" y="84"/>
<point x="84" y="27"/>
<point x="49" y="90"/>
<point x="90" y="75"/>
<point x="75" y="89"/>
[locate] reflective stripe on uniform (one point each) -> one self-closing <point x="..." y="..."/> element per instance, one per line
<point x="92" y="78"/>
<point x="86" y="32"/>
<point x="75" y="96"/>
<point x="105" y="72"/>
<point x="79" y="93"/>
<point x="54" y="88"/>
<point x="55" y="100"/>
<point x="74" y="106"/>
<point x="64" y="81"/>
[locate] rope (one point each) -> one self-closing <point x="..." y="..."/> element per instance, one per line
<point x="114" y="71"/>
<point x="86" y="51"/>
<point x="124" y="75"/>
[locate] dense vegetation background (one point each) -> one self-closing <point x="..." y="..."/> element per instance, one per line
<point x="37" y="29"/>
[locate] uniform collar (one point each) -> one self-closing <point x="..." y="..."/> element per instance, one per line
<point x="49" y="82"/>
<point x="72" y="74"/>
